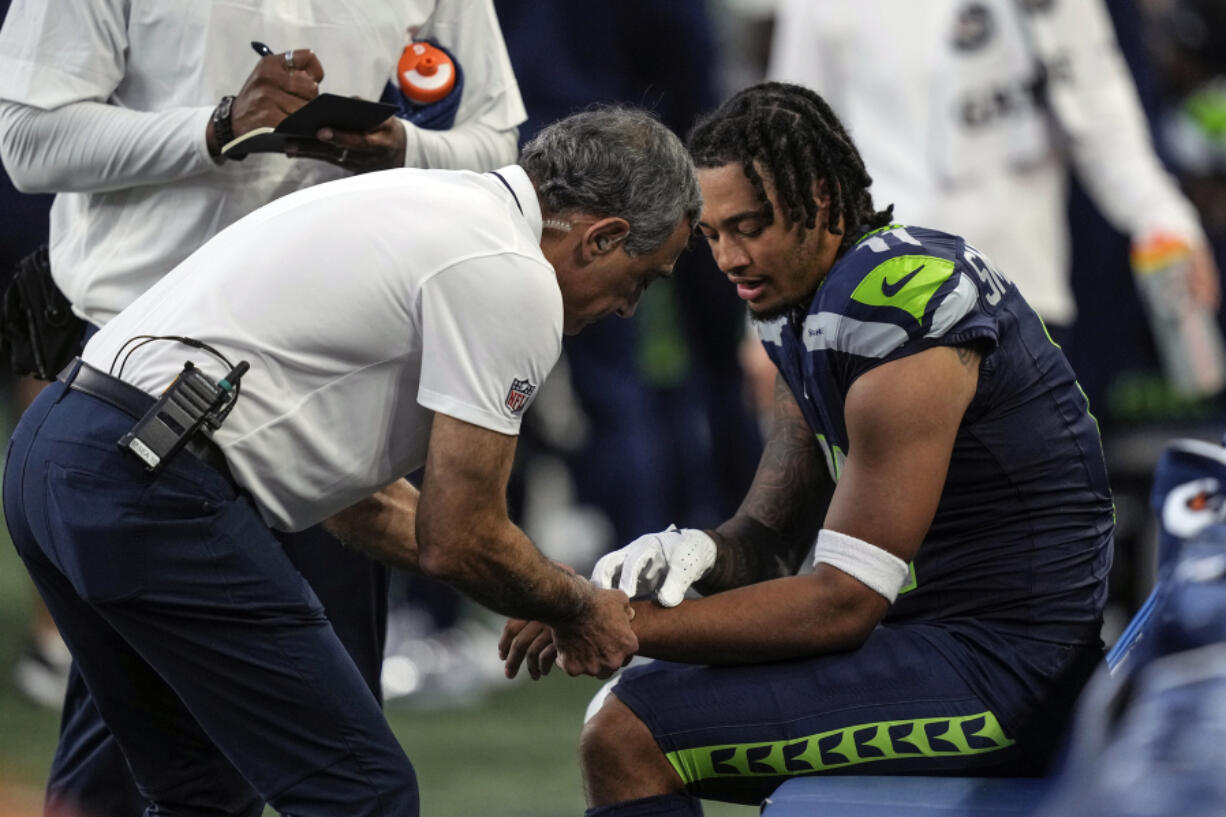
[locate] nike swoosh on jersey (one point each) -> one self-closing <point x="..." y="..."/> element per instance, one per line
<point x="890" y="290"/>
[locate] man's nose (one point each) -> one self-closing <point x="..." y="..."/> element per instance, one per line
<point x="729" y="256"/>
<point x="631" y="306"/>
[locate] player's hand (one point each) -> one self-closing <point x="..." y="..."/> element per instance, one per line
<point x="379" y="149"/>
<point x="530" y="643"/>
<point x="600" y="641"/>
<point x="274" y="89"/>
<point x="665" y="563"/>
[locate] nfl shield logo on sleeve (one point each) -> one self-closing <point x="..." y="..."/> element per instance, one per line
<point x="518" y="396"/>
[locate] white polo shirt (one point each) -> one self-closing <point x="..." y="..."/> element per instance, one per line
<point x="363" y="305"/>
<point x="131" y="85"/>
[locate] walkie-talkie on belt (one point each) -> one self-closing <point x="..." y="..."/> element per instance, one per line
<point x="190" y="402"/>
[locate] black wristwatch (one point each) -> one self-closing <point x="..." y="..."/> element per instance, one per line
<point x="223" y="127"/>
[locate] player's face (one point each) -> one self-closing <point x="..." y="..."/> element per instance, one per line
<point x="773" y="264"/>
<point x="616" y="280"/>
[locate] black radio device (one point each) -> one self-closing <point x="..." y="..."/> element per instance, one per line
<point x="192" y="401"/>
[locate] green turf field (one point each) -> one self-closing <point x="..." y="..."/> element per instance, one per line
<point x="512" y="756"/>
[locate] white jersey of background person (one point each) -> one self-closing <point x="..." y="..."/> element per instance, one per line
<point x="935" y="95"/>
<point x="138" y="189"/>
<point x="363" y="306"/>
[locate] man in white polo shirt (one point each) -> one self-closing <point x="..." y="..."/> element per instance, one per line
<point x="121" y="108"/>
<point x="389" y="321"/>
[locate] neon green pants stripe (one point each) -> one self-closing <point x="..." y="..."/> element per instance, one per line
<point x="848" y="746"/>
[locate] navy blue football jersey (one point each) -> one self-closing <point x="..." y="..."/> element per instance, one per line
<point x="1022" y="536"/>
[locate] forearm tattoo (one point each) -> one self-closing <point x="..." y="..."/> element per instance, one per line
<point x="781" y="514"/>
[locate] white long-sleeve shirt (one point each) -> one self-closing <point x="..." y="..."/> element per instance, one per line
<point x="939" y="97"/>
<point x="106" y="102"/>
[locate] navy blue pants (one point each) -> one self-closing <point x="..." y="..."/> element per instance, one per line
<point x="89" y="775"/>
<point x="913" y="699"/>
<point x="202" y="647"/>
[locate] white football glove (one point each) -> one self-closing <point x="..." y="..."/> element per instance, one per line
<point x="665" y="563"/>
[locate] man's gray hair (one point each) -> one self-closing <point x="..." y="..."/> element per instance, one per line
<point x="616" y="161"/>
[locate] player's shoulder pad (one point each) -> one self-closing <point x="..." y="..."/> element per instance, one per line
<point x="895" y="284"/>
<point x="895" y="267"/>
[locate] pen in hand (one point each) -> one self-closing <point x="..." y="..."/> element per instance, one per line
<point x="264" y="51"/>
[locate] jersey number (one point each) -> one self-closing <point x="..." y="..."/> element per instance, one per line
<point x="988" y="274"/>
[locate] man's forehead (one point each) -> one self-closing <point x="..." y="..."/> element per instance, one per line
<point x="728" y="193"/>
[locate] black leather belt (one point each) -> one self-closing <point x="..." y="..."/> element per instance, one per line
<point x="82" y="377"/>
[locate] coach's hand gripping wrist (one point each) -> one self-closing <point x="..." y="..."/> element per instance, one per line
<point x="666" y="563"/>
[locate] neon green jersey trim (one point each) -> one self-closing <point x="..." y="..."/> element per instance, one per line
<point x="879" y="230"/>
<point x="906" y="282"/>
<point x="840" y="748"/>
<point x="912" y="583"/>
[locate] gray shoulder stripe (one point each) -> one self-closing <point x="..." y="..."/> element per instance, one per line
<point x="829" y="330"/>
<point x="771" y="331"/>
<point x="955" y="306"/>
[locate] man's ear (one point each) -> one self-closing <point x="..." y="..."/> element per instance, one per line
<point x="603" y="236"/>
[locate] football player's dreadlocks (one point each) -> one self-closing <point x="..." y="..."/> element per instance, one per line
<point x="794" y="136"/>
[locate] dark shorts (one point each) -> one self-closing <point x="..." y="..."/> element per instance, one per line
<point x="899" y="704"/>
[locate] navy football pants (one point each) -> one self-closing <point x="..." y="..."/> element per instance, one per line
<point x="899" y="704"/>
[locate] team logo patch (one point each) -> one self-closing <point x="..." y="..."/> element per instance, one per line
<point x="518" y="395"/>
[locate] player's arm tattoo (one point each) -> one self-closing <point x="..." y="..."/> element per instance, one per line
<point x="780" y="516"/>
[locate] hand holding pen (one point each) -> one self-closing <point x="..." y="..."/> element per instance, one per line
<point x="278" y="85"/>
<point x="382" y="148"/>
<point x="379" y="149"/>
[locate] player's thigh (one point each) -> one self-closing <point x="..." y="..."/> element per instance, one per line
<point x="893" y="706"/>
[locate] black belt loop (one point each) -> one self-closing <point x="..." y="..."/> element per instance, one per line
<point x="507" y="185"/>
<point x="69" y="372"/>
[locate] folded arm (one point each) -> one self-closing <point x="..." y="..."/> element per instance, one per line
<point x="902" y="419"/>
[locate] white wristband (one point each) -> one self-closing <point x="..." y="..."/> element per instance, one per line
<point x="880" y="570"/>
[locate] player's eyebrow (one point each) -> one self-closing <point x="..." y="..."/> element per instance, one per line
<point x="735" y="218"/>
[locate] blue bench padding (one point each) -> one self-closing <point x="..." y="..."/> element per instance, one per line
<point x="885" y="796"/>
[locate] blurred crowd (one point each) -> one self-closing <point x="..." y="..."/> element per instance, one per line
<point x="654" y="419"/>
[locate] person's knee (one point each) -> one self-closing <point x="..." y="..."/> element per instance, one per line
<point x="620" y="758"/>
<point x="609" y="735"/>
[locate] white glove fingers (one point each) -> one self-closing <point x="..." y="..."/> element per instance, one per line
<point x="638" y="571"/>
<point x="607" y="569"/>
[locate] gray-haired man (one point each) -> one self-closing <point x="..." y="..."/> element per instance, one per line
<point x="390" y="320"/>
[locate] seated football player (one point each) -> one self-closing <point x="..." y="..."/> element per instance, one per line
<point x="941" y="611"/>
